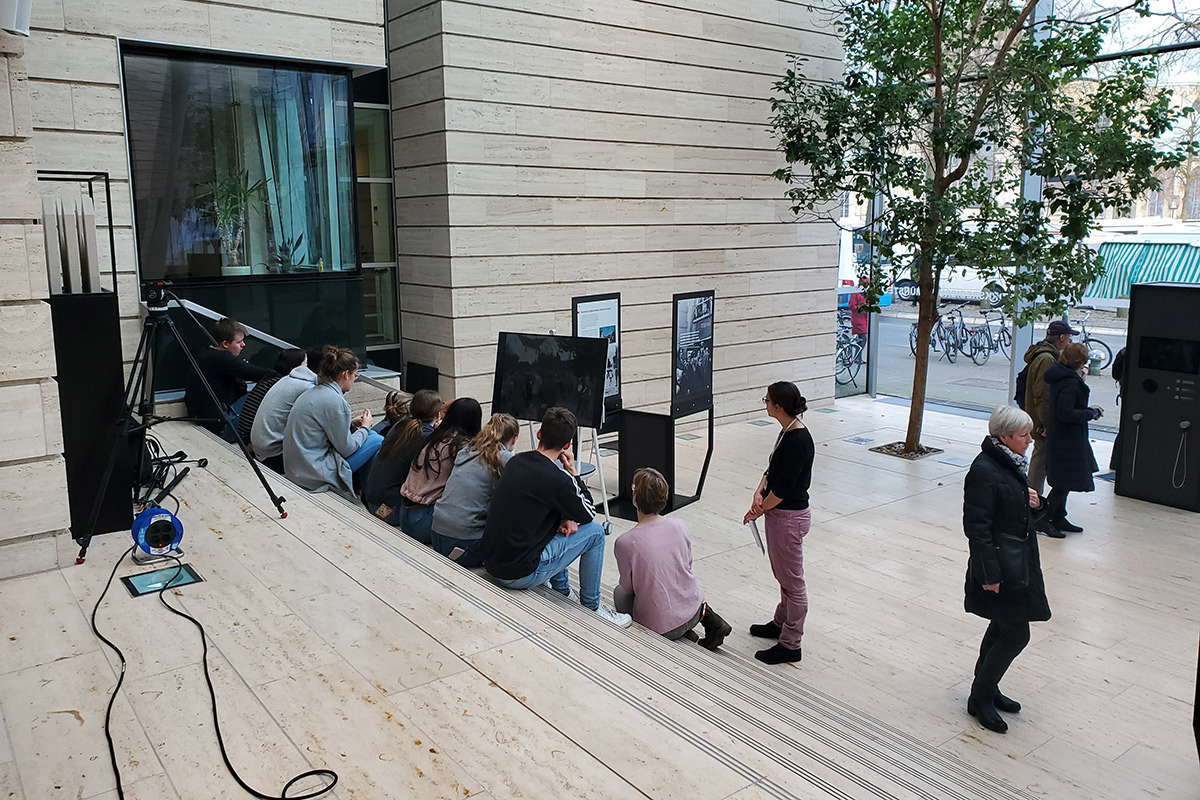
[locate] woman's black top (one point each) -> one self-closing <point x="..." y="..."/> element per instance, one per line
<point x="790" y="472"/>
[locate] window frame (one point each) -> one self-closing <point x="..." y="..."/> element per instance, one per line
<point x="127" y="47"/>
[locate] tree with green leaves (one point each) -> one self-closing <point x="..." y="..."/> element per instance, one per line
<point x="943" y="106"/>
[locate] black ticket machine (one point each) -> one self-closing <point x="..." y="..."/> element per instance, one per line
<point x="1160" y="397"/>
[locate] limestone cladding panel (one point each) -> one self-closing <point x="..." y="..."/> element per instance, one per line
<point x="32" y="475"/>
<point x="30" y="426"/>
<point x="18" y="176"/>
<point x="33" y="496"/>
<point x="26" y="341"/>
<point x="612" y="146"/>
<point x="22" y="263"/>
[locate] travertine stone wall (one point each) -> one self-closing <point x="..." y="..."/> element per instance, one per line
<point x="33" y="481"/>
<point x="74" y="80"/>
<point x="546" y="150"/>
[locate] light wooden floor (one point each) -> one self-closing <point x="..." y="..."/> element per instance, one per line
<point x="337" y="642"/>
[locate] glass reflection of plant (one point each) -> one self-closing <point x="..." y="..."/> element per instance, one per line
<point x="232" y="197"/>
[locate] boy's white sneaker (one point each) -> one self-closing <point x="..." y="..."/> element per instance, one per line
<point x="614" y="616"/>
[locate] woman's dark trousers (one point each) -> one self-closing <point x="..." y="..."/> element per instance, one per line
<point x="1003" y="642"/>
<point x="1056" y="505"/>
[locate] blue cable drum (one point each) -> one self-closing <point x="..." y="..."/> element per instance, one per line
<point x="157" y="531"/>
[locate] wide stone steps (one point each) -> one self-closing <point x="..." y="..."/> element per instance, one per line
<point x="670" y="718"/>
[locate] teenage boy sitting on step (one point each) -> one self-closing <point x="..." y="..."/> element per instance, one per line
<point x="541" y="520"/>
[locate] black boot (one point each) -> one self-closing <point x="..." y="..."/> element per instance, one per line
<point x="767" y="631"/>
<point x="984" y="709"/>
<point x="1066" y="526"/>
<point x="779" y="655"/>
<point x="1006" y="704"/>
<point x="715" y="628"/>
<point x="1043" y="524"/>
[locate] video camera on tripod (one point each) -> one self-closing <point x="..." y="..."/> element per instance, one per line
<point x="138" y="415"/>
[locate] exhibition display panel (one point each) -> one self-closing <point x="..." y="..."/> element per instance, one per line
<point x="536" y="371"/>
<point x="692" y="353"/>
<point x="599" y="317"/>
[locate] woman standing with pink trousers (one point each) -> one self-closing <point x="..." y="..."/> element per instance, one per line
<point x="782" y="499"/>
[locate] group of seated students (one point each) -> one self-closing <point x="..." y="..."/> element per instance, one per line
<point x="297" y="418"/>
<point x="454" y="483"/>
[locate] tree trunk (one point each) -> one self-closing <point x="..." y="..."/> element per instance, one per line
<point x="926" y="316"/>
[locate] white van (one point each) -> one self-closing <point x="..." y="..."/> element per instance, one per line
<point x="957" y="285"/>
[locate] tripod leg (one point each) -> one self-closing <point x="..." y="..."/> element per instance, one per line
<point x="275" y="499"/>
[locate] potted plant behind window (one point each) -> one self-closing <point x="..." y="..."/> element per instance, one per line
<point x="283" y="256"/>
<point x="232" y="197"/>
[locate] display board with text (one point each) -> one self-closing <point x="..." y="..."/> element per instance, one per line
<point x="599" y="317"/>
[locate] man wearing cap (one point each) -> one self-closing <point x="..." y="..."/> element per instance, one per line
<point x="1040" y="357"/>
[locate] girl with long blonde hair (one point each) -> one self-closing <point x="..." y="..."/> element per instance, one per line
<point x="460" y="514"/>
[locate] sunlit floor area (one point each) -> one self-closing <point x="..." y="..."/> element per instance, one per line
<point x="336" y="642"/>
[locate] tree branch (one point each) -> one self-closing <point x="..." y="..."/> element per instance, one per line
<point x="1014" y="34"/>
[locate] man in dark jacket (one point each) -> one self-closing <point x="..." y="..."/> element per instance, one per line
<point x="227" y="372"/>
<point x="1040" y="357"/>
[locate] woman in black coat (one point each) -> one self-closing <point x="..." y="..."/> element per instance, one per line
<point x="1069" y="459"/>
<point x="1004" y="574"/>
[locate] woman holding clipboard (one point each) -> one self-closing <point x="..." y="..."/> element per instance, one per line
<point x="782" y="499"/>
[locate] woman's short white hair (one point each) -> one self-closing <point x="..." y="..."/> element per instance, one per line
<point x="1007" y="420"/>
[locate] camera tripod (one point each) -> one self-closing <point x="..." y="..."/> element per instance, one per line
<point x="139" y="390"/>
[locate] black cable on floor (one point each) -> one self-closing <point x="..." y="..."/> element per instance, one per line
<point x="112" y="752"/>
<point x="212" y="693"/>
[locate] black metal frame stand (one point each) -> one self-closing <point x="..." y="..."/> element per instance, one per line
<point x="140" y="389"/>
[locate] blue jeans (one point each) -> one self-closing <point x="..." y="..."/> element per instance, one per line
<point x="365" y="452"/>
<point x="417" y="522"/>
<point x="227" y="433"/>
<point x="586" y="545"/>
<point x="470" y="556"/>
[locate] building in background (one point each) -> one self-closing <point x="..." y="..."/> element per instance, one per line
<point x="411" y="178"/>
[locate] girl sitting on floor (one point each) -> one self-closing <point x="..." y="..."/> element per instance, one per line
<point x="392" y="464"/>
<point x="654" y="560"/>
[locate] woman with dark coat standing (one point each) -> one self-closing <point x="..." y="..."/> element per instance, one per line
<point x="1069" y="459"/>
<point x="782" y="499"/>
<point x="1004" y="574"/>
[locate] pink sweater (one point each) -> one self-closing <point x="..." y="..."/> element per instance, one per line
<point x="655" y="566"/>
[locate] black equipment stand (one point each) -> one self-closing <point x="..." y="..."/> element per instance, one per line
<point x="140" y="389"/>
<point x="648" y="440"/>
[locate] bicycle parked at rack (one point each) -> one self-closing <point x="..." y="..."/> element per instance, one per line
<point x="944" y="337"/>
<point x="961" y="337"/>
<point x="1095" y="346"/>
<point x="848" y="360"/>
<point x="986" y="342"/>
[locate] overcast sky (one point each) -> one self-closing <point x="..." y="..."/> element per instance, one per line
<point x="1133" y="32"/>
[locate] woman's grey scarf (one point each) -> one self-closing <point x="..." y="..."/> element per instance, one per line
<point x="1021" y="461"/>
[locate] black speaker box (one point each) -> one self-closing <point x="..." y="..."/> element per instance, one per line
<point x="87" y="346"/>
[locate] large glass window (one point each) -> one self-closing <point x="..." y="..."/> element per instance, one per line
<point x="376" y="207"/>
<point x="239" y="168"/>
